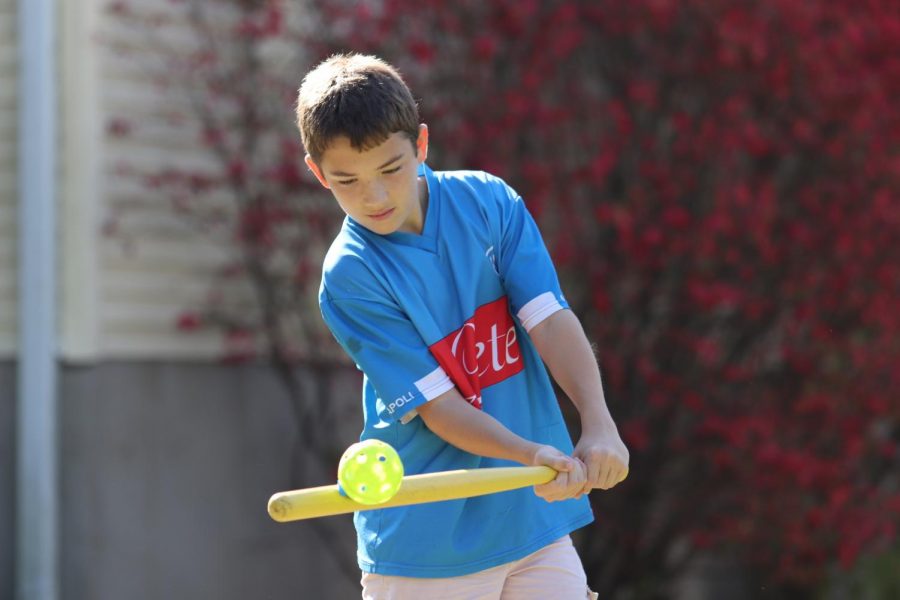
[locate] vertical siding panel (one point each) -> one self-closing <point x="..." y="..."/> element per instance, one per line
<point x="80" y="189"/>
<point x="8" y="176"/>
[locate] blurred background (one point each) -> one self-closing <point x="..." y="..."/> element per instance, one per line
<point x="717" y="181"/>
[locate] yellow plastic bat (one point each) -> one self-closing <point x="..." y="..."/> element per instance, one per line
<point x="326" y="500"/>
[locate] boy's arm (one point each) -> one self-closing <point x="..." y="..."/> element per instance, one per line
<point x="562" y="344"/>
<point x="384" y="344"/>
<point x="459" y="423"/>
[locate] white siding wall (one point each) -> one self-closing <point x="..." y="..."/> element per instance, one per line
<point x="129" y="263"/>
<point x="154" y="263"/>
<point x="8" y="176"/>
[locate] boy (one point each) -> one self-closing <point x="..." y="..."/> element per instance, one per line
<point x="441" y="290"/>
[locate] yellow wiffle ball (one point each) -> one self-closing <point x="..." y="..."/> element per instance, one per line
<point x="370" y="472"/>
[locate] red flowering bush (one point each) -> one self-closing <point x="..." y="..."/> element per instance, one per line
<point x="718" y="184"/>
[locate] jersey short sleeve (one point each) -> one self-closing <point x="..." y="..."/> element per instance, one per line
<point x="525" y="266"/>
<point x="385" y="345"/>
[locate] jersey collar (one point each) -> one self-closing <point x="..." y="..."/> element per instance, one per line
<point x="427" y="240"/>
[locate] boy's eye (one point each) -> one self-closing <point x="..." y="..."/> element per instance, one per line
<point x="394" y="170"/>
<point x="347" y="182"/>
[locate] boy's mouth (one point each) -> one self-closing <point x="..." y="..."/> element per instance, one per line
<point x="382" y="215"/>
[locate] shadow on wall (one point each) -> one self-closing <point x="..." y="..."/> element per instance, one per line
<point x="166" y="470"/>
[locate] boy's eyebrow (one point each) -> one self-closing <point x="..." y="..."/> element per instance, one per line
<point x="343" y="174"/>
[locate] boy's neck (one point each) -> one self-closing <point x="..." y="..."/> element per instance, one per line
<point x="423" y="198"/>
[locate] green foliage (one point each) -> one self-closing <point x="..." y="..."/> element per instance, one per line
<point x="874" y="577"/>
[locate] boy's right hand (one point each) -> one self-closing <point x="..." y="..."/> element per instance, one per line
<point x="571" y="477"/>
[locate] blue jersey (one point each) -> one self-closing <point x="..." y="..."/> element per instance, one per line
<point x="420" y="314"/>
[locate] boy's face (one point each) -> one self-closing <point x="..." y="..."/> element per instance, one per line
<point x="377" y="187"/>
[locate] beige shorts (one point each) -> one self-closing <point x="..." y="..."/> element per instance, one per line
<point x="554" y="571"/>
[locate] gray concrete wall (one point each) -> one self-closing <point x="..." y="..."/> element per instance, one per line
<point x="165" y="474"/>
<point x="166" y="470"/>
<point x="7" y="473"/>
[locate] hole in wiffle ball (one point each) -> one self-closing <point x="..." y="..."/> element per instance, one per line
<point x="362" y="488"/>
<point x="382" y="457"/>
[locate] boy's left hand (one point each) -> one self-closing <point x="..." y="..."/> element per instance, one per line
<point x="605" y="457"/>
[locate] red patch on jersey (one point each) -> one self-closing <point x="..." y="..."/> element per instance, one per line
<point x="482" y="352"/>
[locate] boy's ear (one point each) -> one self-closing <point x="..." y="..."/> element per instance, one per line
<point x="422" y="143"/>
<point x="316" y="171"/>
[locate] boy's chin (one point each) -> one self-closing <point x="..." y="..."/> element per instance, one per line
<point x="381" y="228"/>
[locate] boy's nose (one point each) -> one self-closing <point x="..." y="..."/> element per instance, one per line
<point x="375" y="195"/>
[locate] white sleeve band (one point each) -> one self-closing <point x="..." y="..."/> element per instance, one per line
<point x="431" y="386"/>
<point x="538" y="309"/>
<point x="434" y="384"/>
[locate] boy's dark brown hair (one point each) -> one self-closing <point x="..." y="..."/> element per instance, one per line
<point x="358" y="96"/>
